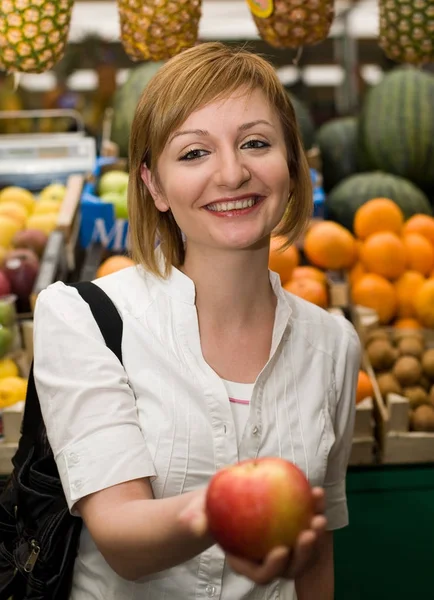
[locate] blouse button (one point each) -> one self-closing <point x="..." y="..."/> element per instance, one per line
<point x="210" y="591"/>
<point x="73" y="459"/>
<point x="255" y="430"/>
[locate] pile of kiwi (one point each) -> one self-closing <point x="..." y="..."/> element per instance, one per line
<point x="404" y="365"/>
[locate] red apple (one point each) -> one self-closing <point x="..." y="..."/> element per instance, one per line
<point x="25" y="254"/>
<point x="21" y="271"/>
<point x="34" y="239"/>
<point x="5" y="286"/>
<point x="258" y="504"/>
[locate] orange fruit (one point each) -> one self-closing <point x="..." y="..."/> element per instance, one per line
<point x="328" y="245"/>
<point x="406" y="287"/>
<point x="424" y="303"/>
<point x="364" y="387"/>
<point x="283" y="262"/>
<point x="377" y="293"/>
<point x="422" y="224"/>
<point x="420" y="253"/>
<point x="310" y="290"/>
<point x="356" y="272"/>
<point x="378" y="214"/>
<point x="407" y="324"/>
<point x="384" y="253"/>
<point x="114" y="264"/>
<point x="308" y="272"/>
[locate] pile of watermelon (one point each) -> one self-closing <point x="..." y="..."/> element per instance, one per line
<point x="385" y="151"/>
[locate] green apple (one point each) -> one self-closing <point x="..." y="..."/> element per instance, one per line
<point x="7" y="313"/>
<point x="113" y="181"/>
<point x="119" y="202"/>
<point x="54" y="191"/>
<point x="6" y="340"/>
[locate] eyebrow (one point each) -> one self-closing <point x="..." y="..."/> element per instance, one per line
<point x="204" y="133"/>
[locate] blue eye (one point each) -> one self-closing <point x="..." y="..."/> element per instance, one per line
<point x="255" y="144"/>
<point x="193" y="154"/>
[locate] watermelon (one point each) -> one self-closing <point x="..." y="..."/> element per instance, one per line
<point x="345" y="198"/>
<point x="337" y="141"/>
<point x="396" y="132"/>
<point x="125" y="101"/>
<point x="304" y="121"/>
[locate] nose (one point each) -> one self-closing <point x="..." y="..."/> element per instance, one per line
<point x="232" y="171"/>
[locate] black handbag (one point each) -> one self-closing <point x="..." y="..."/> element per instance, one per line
<point x="38" y="535"/>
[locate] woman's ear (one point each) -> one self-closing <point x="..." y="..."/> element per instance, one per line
<point x="159" y="200"/>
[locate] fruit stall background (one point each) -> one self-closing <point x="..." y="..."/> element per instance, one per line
<point x="367" y="124"/>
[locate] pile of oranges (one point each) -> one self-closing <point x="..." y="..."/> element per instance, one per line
<point x="390" y="262"/>
<point x="307" y="282"/>
<point x="394" y="271"/>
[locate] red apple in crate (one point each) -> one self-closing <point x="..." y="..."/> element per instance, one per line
<point x="34" y="239"/>
<point x="21" y="267"/>
<point x="258" y="504"/>
<point x="5" y="286"/>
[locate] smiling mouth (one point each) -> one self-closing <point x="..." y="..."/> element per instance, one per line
<point x="233" y="204"/>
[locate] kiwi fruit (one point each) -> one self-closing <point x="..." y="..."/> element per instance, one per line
<point x="400" y="334"/>
<point x="425" y="383"/>
<point x="382" y="354"/>
<point x="376" y="334"/>
<point x="428" y="363"/>
<point x="388" y="384"/>
<point x="422" y="418"/>
<point x="410" y="346"/>
<point x="416" y="395"/>
<point x="407" y="370"/>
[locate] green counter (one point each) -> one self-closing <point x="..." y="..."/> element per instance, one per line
<point x="387" y="552"/>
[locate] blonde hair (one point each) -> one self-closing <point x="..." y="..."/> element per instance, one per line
<point x="184" y="84"/>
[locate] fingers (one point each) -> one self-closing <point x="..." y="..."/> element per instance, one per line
<point x="302" y="554"/>
<point x="273" y="566"/>
<point x="319" y="500"/>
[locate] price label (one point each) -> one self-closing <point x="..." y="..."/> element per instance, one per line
<point x="261" y="8"/>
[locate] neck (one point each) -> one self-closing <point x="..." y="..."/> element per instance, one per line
<point x="232" y="288"/>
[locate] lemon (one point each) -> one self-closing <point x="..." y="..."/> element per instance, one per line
<point x="8" y="368"/>
<point x="46" y="206"/>
<point x="12" y="390"/>
<point x="19" y="195"/>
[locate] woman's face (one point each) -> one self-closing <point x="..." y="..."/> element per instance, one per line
<point x="224" y="173"/>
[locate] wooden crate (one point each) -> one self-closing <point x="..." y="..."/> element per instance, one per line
<point x="339" y="289"/>
<point x="397" y="445"/>
<point x="7" y="451"/>
<point x="68" y="221"/>
<point x="53" y="266"/>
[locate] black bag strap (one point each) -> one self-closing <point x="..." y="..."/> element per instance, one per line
<point x="110" y="323"/>
<point x="105" y="314"/>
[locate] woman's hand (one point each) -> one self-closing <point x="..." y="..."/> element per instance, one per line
<point x="281" y="561"/>
<point x="285" y="562"/>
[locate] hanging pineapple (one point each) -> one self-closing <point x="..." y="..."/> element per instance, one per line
<point x="158" y="29"/>
<point x="407" y="30"/>
<point x="33" y="34"/>
<point x="292" y="23"/>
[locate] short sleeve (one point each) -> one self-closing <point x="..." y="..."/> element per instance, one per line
<point x="87" y="404"/>
<point x="346" y="374"/>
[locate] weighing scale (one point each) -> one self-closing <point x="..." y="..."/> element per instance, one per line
<point x="34" y="160"/>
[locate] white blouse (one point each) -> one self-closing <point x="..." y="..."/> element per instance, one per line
<point x="239" y="396"/>
<point x="165" y="414"/>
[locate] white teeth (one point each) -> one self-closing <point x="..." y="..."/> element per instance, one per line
<point x="233" y="205"/>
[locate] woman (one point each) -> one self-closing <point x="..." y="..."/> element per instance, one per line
<point x="216" y="165"/>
